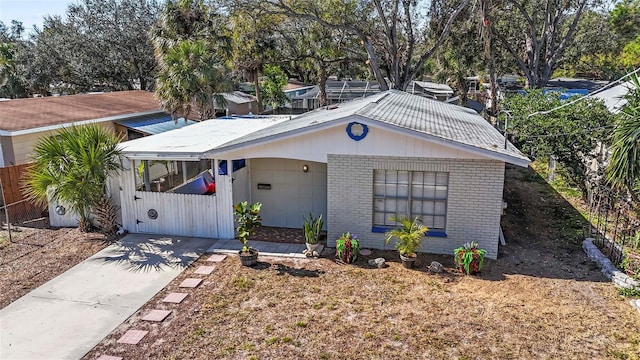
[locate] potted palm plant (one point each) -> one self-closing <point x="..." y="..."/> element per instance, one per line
<point x="248" y="219"/>
<point x="312" y="228"/>
<point x="408" y="238"/>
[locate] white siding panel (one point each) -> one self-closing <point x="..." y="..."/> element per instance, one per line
<point x="69" y="219"/>
<point x="224" y="188"/>
<point x="378" y="142"/>
<point x="178" y="214"/>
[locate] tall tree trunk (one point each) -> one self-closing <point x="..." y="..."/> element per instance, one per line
<point x="322" y="85"/>
<point x="256" y="84"/>
<point x="490" y="57"/>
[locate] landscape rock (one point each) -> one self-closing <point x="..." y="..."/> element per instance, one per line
<point x="379" y="262"/>
<point x="435" y="267"/>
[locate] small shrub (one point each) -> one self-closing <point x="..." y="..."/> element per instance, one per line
<point x="248" y="219"/>
<point x="629" y="292"/>
<point x="631" y="264"/>
<point x="243" y="283"/>
<point x="408" y="236"/>
<point x="312" y="228"/>
<point x="347" y="247"/>
<point x="469" y="257"/>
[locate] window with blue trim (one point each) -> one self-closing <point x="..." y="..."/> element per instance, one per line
<point x="414" y="193"/>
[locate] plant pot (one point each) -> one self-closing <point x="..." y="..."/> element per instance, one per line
<point x="474" y="266"/>
<point x="311" y="248"/>
<point x="248" y="258"/>
<point x="407" y="261"/>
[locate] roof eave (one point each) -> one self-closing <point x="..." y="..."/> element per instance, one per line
<point x="354" y="117"/>
<point x="77" y="123"/>
<point x="494" y="155"/>
<point x="171" y="156"/>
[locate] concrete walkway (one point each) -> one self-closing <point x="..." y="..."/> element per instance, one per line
<point x="265" y="248"/>
<point x="69" y="315"/>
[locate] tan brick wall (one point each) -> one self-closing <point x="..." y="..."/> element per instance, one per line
<point x="473" y="210"/>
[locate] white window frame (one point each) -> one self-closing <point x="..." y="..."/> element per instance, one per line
<point x="413" y="193"/>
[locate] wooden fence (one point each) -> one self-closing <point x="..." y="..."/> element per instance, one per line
<point x="18" y="208"/>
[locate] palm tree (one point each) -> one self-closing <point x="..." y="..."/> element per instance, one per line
<point x="72" y="168"/>
<point x="192" y="75"/>
<point x="190" y="46"/>
<point x="624" y="167"/>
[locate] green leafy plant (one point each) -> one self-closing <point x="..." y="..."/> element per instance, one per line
<point x="312" y="228"/>
<point x="631" y="264"/>
<point x="347" y="247"/>
<point x="247" y="219"/>
<point x="408" y="236"/>
<point x="72" y="167"/>
<point x="469" y="257"/>
<point x="629" y="292"/>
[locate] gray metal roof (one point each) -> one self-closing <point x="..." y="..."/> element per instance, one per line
<point x="155" y="124"/>
<point x="432" y="87"/>
<point x="345" y="90"/>
<point x="238" y="97"/>
<point x="435" y="120"/>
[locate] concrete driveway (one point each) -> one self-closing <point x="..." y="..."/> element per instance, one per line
<point x="69" y="315"/>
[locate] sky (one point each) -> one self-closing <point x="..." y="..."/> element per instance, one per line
<point x="31" y="12"/>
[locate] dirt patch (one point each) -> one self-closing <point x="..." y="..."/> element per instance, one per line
<point x="541" y="299"/>
<point x="40" y="255"/>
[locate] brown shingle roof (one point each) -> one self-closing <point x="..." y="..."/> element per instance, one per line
<point x="22" y="114"/>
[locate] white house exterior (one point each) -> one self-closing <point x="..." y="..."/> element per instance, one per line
<point x="358" y="163"/>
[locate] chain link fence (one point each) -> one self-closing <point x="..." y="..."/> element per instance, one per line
<point x="23" y="222"/>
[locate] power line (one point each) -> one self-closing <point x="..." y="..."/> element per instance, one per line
<point x="569" y="133"/>
<point x="611" y="84"/>
<point x="545" y="112"/>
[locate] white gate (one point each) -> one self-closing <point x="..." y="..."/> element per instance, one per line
<point x="176" y="214"/>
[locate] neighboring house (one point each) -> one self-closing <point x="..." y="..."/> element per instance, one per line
<point x="24" y="121"/>
<point x="294" y="90"/>
<point x="238" y="103"/>
<point x="576" y="83"/>
<point x="338" y="91"/>
<point x="358" y="163"/>
<point x="613" y="97"/>
<point x="431" y="90"/>
<point x="469" y="103"/>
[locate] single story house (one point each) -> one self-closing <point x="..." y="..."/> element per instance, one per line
<point x="24" y="121"/>
<point x="358" y="163"/>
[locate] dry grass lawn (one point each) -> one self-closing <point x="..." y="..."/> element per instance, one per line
<point x="542" y="299"/>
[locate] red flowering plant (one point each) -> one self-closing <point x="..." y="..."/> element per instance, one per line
<point x="347" y="247"/>
<point x="469" y="258"/>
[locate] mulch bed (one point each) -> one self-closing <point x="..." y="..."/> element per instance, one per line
<point x="278" y="235"/>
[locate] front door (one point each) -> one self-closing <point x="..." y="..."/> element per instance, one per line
<point x="289" y="190"/>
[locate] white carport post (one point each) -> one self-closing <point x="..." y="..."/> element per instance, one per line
<point x="224" y="200"/>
